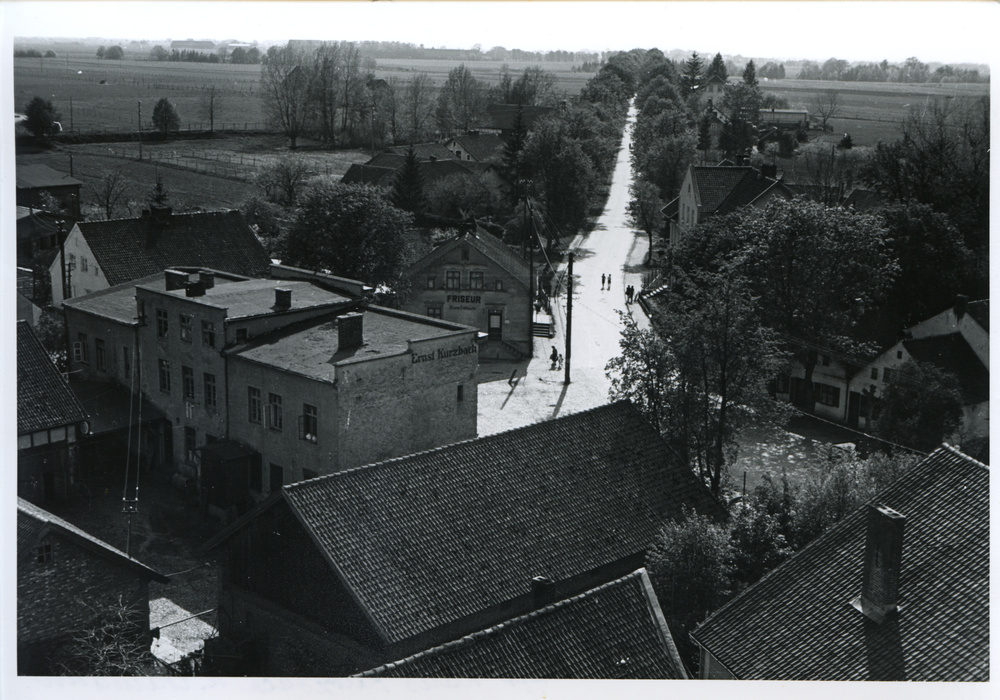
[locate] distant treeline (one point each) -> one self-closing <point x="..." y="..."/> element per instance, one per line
<point x="397" y="49"/>
<point x="911" y="71"/>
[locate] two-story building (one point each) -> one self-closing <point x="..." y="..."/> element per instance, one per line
<point x="478" y="281"/>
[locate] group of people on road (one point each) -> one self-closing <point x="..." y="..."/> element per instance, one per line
<point x="557" y="359"/>
<point x="629" y="294"/>
<point x="605" y="279"/>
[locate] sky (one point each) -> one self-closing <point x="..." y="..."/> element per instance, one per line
<point x="952" y="31"/>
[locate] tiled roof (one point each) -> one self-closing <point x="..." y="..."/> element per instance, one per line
<point x="797" y="623"/>
<point x="32" y="521"/>
<point x="953" y="354"/>
<point x="43" y="396"/>
<point x="429" y="539"/>
<point x="486" y="243"/>
<point x="748" y="190"/>
<point x="980" y="312"/>
<point x="35" y="176"/>
<point x="615" y="631"/>
<point x="425" y="151"/>
<point x="127" y="249"/>
<point x="480" y="146"/>
<point x="721" y="189"/>
<point x="359" y="174"/>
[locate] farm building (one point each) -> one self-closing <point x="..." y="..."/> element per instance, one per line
<point x="864" y="601"/>
<point x="784" y="118"/>
<point x="35" y="182"/>
<point x="340" y="574"/>
<point x="475" y="146"/>
<point x="102" y="254"/>
<point x="205" y="47"/>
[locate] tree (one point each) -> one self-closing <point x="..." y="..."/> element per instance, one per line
<point x="461" y="101"/>
<point x="114" y="53"/>
<point x="825" y="105"/>
<point x="351" y="230"/>
<point x="283" y="181"/>
<point x="101" y="51"/>
<point x="462" y="195"/>
<point x="211" y="103"/>
<point x="741" y="102"/>
<point x="268" y="221"/>
<point x="159" y="195"/>
<point x="645" y="210"/>
<point x="165" y="117"/>
<point x="115" y="645"/>
<point x="286" y="91"/>
<point x="40" y="115"/>
<point x="920" y="407"/>
<point x="158" y="53"/>
<point x="512" y="164"/>
<point x="111" y="193"/>
<point x="691" y="77"/>
<point x="750" y="74"/>
<point x="534" y="87"/>
<point x="690" y="566"/>
<point x="717" y="68"/>
<point x="418" y="107"/>
<point x="408" y="189"/>
<point x="835" y="171"/>
<point x="705" y="135"/>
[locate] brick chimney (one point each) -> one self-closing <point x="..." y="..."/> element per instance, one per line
<point x="543" y="592"/>
<point x="349" y="331"/>
<point x="175" y="279"/>
<point x="883" y="561"/>
<point x="195" y="289"/>
<point x="282" y="298"/>
<point x="207" y="279"/>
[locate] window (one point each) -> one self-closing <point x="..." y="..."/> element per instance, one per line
<point x="241" y="335"/>
<point x="453" y="279"/>
<point x="277" y="478"/>
<point x="97" y="272"/>
<point x="308" y="423"/>
<point x="187" y="376"/>
<point x="874" y="372"/>
<point x="826" y="360"/>
<point x="209" y="390"/>
<point x="208" y="333"/>
<point x="826" y="394"/>
<point x="80" y="349"/>
<point x="190" y="443"/>
<point x="430" y="283"/>
<point x="476" y="280"/>
<point x="164" y="376"/>
<point x="498" y="285"/>
<point x="309" y="474"/>
<point x="899" y="354"/>
<point x="83" y="264"/>
<point x="253" y="404"/>
<point x="161" y="323"/>
<point x="887" y="375"/>
<point x="185" y="328"/>
<point x="461" y="393"/>
<point x="43" y="554"/>
<point x="274" y="418"/>
<point x="126" y="363"/>
<point x="100" y="354"/>
<point x="434" y="311"/>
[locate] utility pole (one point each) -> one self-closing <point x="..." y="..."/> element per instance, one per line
<point x="71" y="116"/>
<point x="140" y="129"/>
<point x="569" y="316"/>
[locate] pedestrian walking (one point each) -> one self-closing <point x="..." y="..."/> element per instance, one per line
<point x="560" y="361"/>
<point x="554" y="356"/>
<point x="609" y="282"/>
<point x="602" y="281"/>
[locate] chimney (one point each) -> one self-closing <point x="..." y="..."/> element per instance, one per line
<point x="282" y="298"/>
<point x="207" y="279"/>
<point x="175" y="279"/>
<point x="160" y="213"/>
<point x="961" y="306"/>
<point x="434" y="159"/>
<point x="195" y="289"/>
<point x="883" y="560"/>
<point x="543" y="592"/>
<point x="349" y="330"/>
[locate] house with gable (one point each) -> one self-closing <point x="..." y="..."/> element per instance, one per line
<point x="66" y="580"/>
<point x="615" y="631"/>
<point x="475" y="146"/>
<point x="343" y="573"/>
<point x="50" y="423"/>
<point x="897" y="591"/>
<point x="102" y="254"/>
<point x="479" y="281"/>
<point x="716" y="190"/>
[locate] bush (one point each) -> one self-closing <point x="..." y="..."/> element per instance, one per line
<point x="41" y="116"/>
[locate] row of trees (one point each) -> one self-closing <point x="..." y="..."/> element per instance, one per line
<point x="910" y="71"/>
<point x="112" y="53"/>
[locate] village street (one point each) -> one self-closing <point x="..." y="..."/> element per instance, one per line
<point x="538" y="393"/>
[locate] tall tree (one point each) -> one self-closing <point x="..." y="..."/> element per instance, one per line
<point x="512" y="163"/>
<point x="750" y="74"/>
<point x="286" y="91"/>
<point x="351" y="230"/>
<point x="920" y="407"/>
<point x="418" y="107"/>
<point x="211" y="103"/>
<point x="645" y="210"/>
<point x="717" y="68"/>
<point x="111" y="193"/>
<point x="165" y="117"/>
<point x="283" y="181"/>
<point x="408" y="188"/>
<point x="825" y="105"/>
<point x="461" y="102"/>
<point x="40" y="115"/>
<point x="327" y="76"/>
<point x="691" y="77"/>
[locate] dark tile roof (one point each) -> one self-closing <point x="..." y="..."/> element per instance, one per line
<point x="486" y="243"/>
<point x="33" y="522"/>
<point x="359" y="174"/>
<point x="127" y="249"/>
<point x="714" y="183"/>
<point x="749" y="189"/>
<point x="43" y="396"/>
<point x="953" y="354"/>
<point x="480" y="146"/>
<point x="423" y="151"/>
<point x="614" y="631"/>
<point x="41" y="176"/>
<point x="980" y="312"/>
<point x="429" y="539"/>
<point x="797" y="623"/>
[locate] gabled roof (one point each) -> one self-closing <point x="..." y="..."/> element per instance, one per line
<point x="127" y="249"/>
<point x="751" y="187"/>
<point x="424" y="151"/>
<point x="797" y="623"/>
<point x="433" y="538"/>
<point x="33" y="523"/>
<point x="40" y="176"/>
<point x="487" y="244"/>
<point x="980" y="313"/>
<point x="615" y="631"/>
<point x="953" y="354"/>
<point x="480" y="146"/>
<point x="359" y="174"/>
<point x="44" y="399"/>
